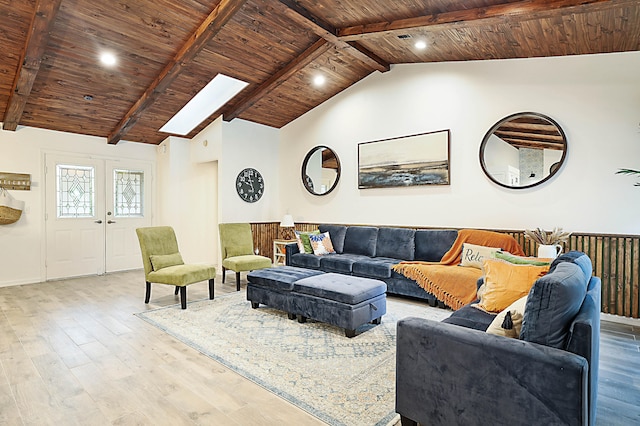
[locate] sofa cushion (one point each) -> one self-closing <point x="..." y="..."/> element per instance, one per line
<point x="553" y="302"/>
<point x="514" y="326"/>
<point x="280" y="278"/>
<point x="398" y="243"/>
<point x="304" y="260"/>
<point x="321" y="244"/>
<point x="341" y="288"/>
<point x="521" y="260"/>
<point x="342" y="263"/>
<point x="577" y="257"/>
<point x="471" y="317"/>
<point x="337" y="233"/>
<point x="505" y="282"/>
<point x="473" y="255"/>
<point x="302" y="238"/>
<point x="375" y="267"/>
<point x="361" y="240"/>
<point x="432" y="244"/>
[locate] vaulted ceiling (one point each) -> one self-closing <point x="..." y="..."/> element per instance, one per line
<point x="167" y="50"/>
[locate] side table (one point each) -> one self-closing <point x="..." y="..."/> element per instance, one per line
<point x="279" y="252"/>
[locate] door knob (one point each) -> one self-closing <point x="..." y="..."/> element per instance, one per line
<point x="98" y="221"/>
<point x="111" y="221"/>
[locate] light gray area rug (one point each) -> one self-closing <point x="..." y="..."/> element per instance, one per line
<point x="339" y="380"/>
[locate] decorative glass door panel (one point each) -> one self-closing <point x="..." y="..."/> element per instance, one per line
<point x="75" y="189"/>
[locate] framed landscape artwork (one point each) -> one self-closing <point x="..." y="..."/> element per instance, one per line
<point x="421" y="159"/>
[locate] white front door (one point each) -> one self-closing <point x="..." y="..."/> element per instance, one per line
<point x="92" y="209"/>
<point x="128" y="189"/>
<point x="74" y="216"/>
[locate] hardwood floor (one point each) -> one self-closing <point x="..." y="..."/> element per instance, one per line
<point x="72" y="352"/>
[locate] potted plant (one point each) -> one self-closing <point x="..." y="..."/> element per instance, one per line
<point x="548" y="242"/>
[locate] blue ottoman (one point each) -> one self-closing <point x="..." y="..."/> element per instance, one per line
<point x="341" y="300"/>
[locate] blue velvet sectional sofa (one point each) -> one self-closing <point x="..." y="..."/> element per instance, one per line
<point x="371" y="252"/>
<point x="452" y="372"/>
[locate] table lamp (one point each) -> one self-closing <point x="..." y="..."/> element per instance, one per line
<point x="287" y="227"/>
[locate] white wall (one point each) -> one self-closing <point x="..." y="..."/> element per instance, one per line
<point x="22" y="151"/>
<point x="230" y="147"/>
<point x="596" y="100"/>
<point x="237" y="145"/>
<point x="187" y="198"/>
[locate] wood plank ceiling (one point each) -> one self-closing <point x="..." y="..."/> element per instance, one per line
<point x="167" y="50"/>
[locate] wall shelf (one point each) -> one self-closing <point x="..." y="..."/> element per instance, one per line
<point x="15" y="181"/>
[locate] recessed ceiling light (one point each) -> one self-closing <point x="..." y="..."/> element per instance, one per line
<point x="207" y="101"/>
<point x="108" y="59"/>
<point x="319" y="80"/>
<point x="420" y="44"/>
<point x="88" y="97"/>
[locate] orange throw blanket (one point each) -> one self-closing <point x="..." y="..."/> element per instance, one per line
<point x="456" y="285"/>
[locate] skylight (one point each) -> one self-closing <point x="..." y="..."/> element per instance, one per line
<point x="215" y="94"/>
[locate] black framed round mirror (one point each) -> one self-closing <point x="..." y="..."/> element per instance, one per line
<point x="523" y="150"/>
<point x="320" y="170"/>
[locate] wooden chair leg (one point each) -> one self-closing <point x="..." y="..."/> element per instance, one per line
<point x="237" y="281"/>
<point x="148" y="294"/>
<point x="211" y="289"/>
<point x="183" y="296"/>
<point x="177" y="289"/>
<point x="224" y="270"/>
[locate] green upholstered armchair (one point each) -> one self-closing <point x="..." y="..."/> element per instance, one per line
<point x="163" y="263"/>
<point x="236" y="243"/>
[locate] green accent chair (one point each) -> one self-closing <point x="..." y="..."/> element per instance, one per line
<point x="236" y="243"/>
<point x="163" y="263"/>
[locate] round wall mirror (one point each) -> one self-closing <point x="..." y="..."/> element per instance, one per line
<point x="523" y="150"/>
<point x="320" y="170"/>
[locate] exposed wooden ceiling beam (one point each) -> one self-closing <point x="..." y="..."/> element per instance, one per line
<point x="519" y="143"/>
<point x="30" y="60"/>
<point x="303" y="17"/>
<point x="314" y="51"/>
<point x="209" y="28"/>
<point x="534" y="136"/>
<point x="526" y="8"/>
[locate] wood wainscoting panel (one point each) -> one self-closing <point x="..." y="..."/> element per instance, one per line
<point x="615" y="258"/>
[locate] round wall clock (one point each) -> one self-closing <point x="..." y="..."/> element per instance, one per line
<point x="250" y="185"/>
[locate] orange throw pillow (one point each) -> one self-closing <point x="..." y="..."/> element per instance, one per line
<point x="505" y="282"/>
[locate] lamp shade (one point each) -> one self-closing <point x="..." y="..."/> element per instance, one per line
<point x="287" y="221"/>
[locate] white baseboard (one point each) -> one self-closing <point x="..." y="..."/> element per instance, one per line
<point x="620" y="319"/>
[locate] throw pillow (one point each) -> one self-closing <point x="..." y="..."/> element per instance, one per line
<point x="473" y="255"/>
<point x="302" y="238"/>
<point x="521" y="260"/>
<point x="505" y="282"/>
<point x="553" y="303"/>
<point x="159" y="261"/>
<point x="508" y="323"/>
<point x="321" y="244"/>
<point x="243" y="250"/>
